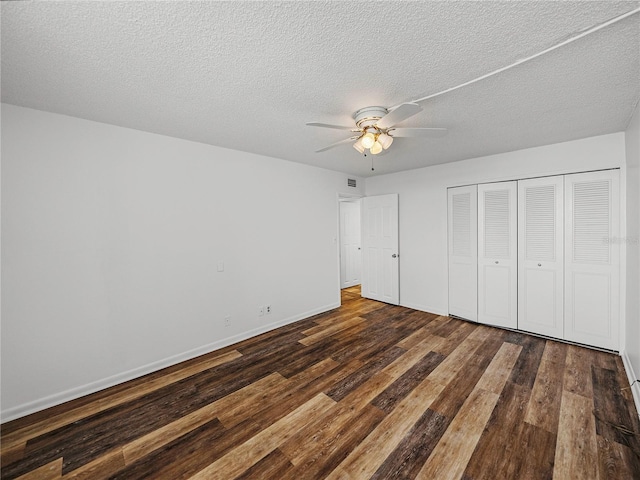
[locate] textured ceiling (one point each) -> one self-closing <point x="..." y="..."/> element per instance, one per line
<point x="249" y="75"/>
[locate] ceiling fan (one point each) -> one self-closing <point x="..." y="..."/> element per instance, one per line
<point x="376" y="128"/>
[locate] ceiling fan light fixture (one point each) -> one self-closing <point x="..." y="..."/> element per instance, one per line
<point x="373" y="127"/>
<point x="385" y="140"/>
<point x="368" y="139"/>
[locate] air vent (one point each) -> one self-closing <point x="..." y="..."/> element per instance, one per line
<point x="351" y="182"/>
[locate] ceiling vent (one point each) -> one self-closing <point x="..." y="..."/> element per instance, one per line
<point x="351" y="182"/>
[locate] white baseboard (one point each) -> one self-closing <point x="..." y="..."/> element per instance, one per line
<point x="93" y="387"/>
<point x="631" y="375"/>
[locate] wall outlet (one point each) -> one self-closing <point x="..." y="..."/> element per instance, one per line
<point x="260" y="311"/>
<point x="227" y="321"/>
<point x="267" y="309"/>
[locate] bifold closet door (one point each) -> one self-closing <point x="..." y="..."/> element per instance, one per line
<point x="463" y="251"/>
<point x="540" y="256"/>
<point x="497" y="254"/>
<point x="592" y="259"/>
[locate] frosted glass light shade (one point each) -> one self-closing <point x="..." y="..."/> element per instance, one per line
<point x="385" y="140"/>
<point x="376" y="148"/>
<point x="358" y="145"/>
<point x="368" y="139"/>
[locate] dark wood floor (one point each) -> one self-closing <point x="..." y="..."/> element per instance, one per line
<point x="365" y="391"/>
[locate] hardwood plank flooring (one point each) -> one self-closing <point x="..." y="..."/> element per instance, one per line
<point x="368" y="390"/>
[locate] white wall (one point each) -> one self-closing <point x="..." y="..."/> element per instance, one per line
<point x="423" y="204"/>
<point x="111" y="239"/>
<point x="632" y="348"/>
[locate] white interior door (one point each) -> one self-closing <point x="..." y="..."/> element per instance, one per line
<point x="540" y="256"/>
<point x="350" y="253"/>
<point x="592" y="260"/>
<point x="380" y="263"/>
<point x="462" y="227"/>
<point x="497" y="254"/>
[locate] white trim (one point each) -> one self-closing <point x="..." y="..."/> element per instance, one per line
<point x="622" y="333"/>
<point x="93" y="387"/>
<point x="635" y="389"/>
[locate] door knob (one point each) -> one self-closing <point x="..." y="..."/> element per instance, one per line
<point x="539" y="264"/>
<point x="496" y="262"/>
<point x="394" y="255"/>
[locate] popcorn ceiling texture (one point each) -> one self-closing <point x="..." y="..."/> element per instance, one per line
<point x="248" y="75"/>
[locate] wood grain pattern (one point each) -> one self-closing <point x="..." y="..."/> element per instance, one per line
<point x="365" y="459"/>
<point x="320" y="332"/>
<point x="576" y="445"/>
<point x="538" y="462"/>
<point x="412" y="452"/>
<point x="544" y="405"/>
<point x="452" y="454"/>
<point x="500" y="435"/>
<point x="50" y="471"/>
<point x="577" y="374"/>
<point x="257" y="447"/>
<point x="367" y="390"/>
<point x="102" y="467"/>
<point x="331" y="445"/>
<point x="160" y="437"/>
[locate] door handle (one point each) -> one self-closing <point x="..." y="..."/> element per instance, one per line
<point x="496" y="262"/>
<point x="394" y="256"/>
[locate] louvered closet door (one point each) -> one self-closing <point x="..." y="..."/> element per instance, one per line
<point x="497" y="255"/>
<point x="592" y="261"/>
<point x="540" y="256"/>
<point x="463" y="251"/>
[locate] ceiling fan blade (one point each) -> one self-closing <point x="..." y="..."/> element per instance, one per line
<point x="328" y="125"/>
<point x="341" y="142"/>
<point x="401" y="113"/>
<point x="418" y="132"/>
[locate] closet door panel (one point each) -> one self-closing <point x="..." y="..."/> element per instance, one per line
<point x="497" y="255"/>
<point x="463" y="251"/>
<point x="592" y="260"/>
<point x="540" y="256"/>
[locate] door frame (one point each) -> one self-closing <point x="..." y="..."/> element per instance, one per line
<point x="379" y="203"/>
<point x="339" y="196"/>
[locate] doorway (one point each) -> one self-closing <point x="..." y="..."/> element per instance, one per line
<point x="368" y="246"/>
<point x="350" y="242"/>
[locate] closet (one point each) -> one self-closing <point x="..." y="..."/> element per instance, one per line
<point x="547" y="258"/>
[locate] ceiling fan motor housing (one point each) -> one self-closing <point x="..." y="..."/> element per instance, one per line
<point x="368" y="116"/>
